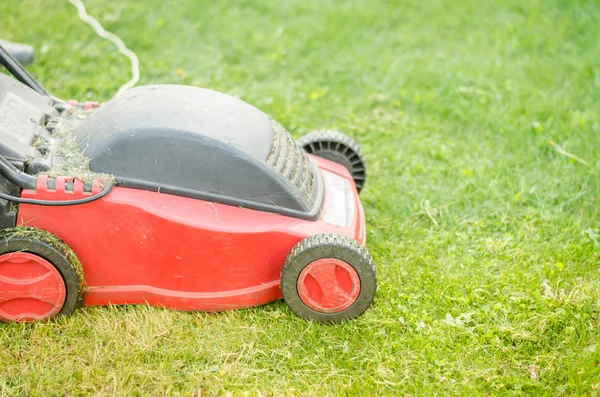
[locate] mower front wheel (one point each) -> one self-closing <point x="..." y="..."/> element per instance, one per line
<point x="40" y="276"/>
<point x="328" y="278"/>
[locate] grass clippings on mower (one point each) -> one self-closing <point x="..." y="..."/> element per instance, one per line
<point x="73" y="162"/>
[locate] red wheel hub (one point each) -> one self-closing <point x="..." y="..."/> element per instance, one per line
<point x="30" y="288"/>
<point x="328" y="285"/>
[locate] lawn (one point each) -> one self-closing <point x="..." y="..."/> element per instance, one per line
<point x="485" y="233"/>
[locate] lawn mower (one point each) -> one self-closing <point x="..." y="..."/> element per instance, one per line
<point x="173" y="196"/>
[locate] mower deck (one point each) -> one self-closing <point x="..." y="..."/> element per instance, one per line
<point x="140" y="247"/>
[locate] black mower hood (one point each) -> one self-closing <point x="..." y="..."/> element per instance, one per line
<point x="201" y="143"/>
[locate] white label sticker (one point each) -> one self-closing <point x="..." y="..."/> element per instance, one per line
<point x="339" y="200"/>
<point x="18" y="118"/>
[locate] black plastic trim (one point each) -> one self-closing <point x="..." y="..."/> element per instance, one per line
<point x="313" y="215"/>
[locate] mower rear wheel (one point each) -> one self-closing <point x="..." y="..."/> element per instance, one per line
<point x="328" y="278"/>
<point x="40" y="276"/>
<point x="339" y="148"/>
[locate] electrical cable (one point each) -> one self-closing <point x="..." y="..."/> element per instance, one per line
<point x="62" y="203"/>
<point x="100" y="31"/>
<point x="23" y="180"/>
<point x="16" y="176"/>
<point x="26" y="181"/>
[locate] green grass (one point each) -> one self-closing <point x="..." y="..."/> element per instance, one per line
<point x="486" y="239"/>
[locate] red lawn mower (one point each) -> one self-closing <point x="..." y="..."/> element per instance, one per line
<point x="211" y="205"/>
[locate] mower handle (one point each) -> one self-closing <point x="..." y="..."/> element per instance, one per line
<point x="17" y="70"/>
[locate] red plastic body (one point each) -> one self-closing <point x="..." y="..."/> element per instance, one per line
<point x="141" y="247"/>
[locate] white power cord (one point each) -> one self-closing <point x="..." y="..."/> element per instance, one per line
<point x="100" y="31"/>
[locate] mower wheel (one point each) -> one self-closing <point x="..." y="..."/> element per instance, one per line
<point x="40" y="276"/>
<point x="328" y="278"/>
<point x="339" y="148"/>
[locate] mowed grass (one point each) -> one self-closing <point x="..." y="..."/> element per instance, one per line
<point x="485" y="235"/>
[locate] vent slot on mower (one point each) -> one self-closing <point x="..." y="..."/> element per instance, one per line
<point x="289" y="159"/>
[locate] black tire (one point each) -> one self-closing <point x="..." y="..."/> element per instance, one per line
<point x="55" y="251"/>
<point x="339" y="148"/>
<point x="328" y="246"/>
